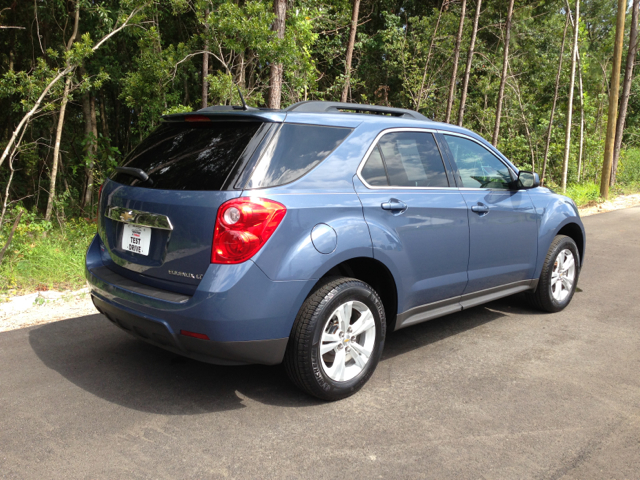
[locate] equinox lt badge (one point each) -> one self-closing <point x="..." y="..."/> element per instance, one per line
<point x="186" y="274"/>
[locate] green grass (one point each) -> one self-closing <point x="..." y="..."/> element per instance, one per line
<point x="45" y="257"/>
<point x="584" y="193"/>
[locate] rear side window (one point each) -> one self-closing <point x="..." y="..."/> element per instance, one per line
<point x="412" y="159"/>
<point x="294" y="151"/>
<point x="190" y="156"/>
<point x="374" y="172"/>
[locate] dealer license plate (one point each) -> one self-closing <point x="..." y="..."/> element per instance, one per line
<point x="136" y="239"/>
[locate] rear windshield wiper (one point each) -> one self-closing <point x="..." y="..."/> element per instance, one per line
<point x="136" y="173"/>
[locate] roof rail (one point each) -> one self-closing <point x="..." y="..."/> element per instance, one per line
<point x="316" y="106"/>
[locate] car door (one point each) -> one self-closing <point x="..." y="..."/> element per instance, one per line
<point x="503" y="226"/>
<point x="418" y="222"/>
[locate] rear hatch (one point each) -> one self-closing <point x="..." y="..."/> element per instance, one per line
<point x="159" y="231"/>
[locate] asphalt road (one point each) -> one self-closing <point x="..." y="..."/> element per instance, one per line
<point x="498" y="391"/>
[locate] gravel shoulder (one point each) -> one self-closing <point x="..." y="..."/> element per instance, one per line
<point x="46" y="307"/>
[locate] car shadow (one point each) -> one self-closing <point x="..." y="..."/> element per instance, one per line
<point x="101" y="359"/>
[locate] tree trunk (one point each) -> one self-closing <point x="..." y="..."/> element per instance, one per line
<point x="428" y="60"/>
<point x="503" y="78"/>
<point x="63" y="108"/>
<point x="456" y="57"/>
<point x="572" y="83"/>
<point x="467" y="72"/>
<point x="93" y="125"/>
<point x="581" y="93"/>
<point x="613" y="101"/>
<point x="626" y="88"/>
<point x="205" y="67"/>
<point x="56" y="148"/>
<point x="275" y="82"/>
<point x="555" y="101"/>
<point x="103" y="118"/>
<point x="352" y="41"/>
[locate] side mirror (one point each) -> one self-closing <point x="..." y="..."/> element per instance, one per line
<point x="527" y="180"/>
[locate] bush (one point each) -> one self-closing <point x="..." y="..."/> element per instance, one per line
<point x="45" y="256"/>
<point x="629" y="167"/>
<point x="583" y="193"/>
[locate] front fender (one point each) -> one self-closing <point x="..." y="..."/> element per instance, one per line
<point x="554" y="213"/>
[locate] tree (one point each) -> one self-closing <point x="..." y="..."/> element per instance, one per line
<point x="613" y="101"/>
<point x="574" y="56"/>
<point x="503" y="77"/>
<point x="456" y="57"/>
<point x="467" y="72"/>
<point x="350" y="45"/>
<point x="626" y="89"/>
<point x="63" y="108"/>
<point x="555" y="101"/>
<point x="275" y="83"/>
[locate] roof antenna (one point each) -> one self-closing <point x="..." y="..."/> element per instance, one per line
<point x="244" y="104"/>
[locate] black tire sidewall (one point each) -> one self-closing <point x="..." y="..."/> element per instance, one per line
<point x="357" y="291"/>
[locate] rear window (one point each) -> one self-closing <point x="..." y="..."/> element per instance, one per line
<point x="190" y="156"/>
<point x="294" y="151"/>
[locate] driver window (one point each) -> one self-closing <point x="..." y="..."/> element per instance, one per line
<point x="478" y="167"/>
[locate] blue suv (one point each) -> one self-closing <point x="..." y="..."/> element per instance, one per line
<point x="235" y="235"/>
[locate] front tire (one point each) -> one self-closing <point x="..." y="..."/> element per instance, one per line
<point x="337" y="339"/>
<point x="559" y="276"/>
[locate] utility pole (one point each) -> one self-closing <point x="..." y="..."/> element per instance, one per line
<point x="613" y="101"/>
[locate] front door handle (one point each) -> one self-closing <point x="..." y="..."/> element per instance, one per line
<point x="480" y="209"/>
<point x="394" y="205"/>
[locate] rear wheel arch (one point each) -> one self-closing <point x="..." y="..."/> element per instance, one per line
<point x="372" y="272"/>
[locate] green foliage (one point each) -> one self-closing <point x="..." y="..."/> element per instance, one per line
<point x="584" y="194"/>
<point x="629" y="167"/>
<point x="43" y="255"/>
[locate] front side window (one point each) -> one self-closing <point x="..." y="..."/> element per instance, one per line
<point x="478" y="167"/>
<point x="409" y="159"/>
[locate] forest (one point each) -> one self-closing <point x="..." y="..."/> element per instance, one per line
<point x="549" y="82"/>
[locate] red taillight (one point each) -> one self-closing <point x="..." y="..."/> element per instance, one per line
<point x="201" y="336"/>
<point x="243" y="226"/>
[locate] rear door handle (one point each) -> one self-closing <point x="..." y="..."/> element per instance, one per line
<point x="394" y="205"/>
<point x="480" y="208"/>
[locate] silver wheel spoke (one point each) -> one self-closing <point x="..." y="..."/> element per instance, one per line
<point x="361" y="350"/>
<point x="344" y="315"/>
<point x="568" y="264"/>
<point x="566" y="283"/>
<point x="327" y="347"/>
<point x="364" y="323"/>
<point x="336" y="371"/>
<point x="360" y="361"/>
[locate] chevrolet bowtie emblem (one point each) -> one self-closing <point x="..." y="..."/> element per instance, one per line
<point x="127" y="216"/>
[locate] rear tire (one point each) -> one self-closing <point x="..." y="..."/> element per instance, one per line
<point x="337" y="339"/>
<point x="559" y="276"/>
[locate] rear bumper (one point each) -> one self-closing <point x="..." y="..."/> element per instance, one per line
<point x="246" y="316"/>
<point x="159" y="333"/>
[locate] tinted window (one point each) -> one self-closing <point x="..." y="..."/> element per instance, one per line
<point x="189" y="156"/>
<point x="478" y="167"/>
<point x="373" y="172"/>
<point x="295" y="150"/>
<point x="413" y="160"/>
